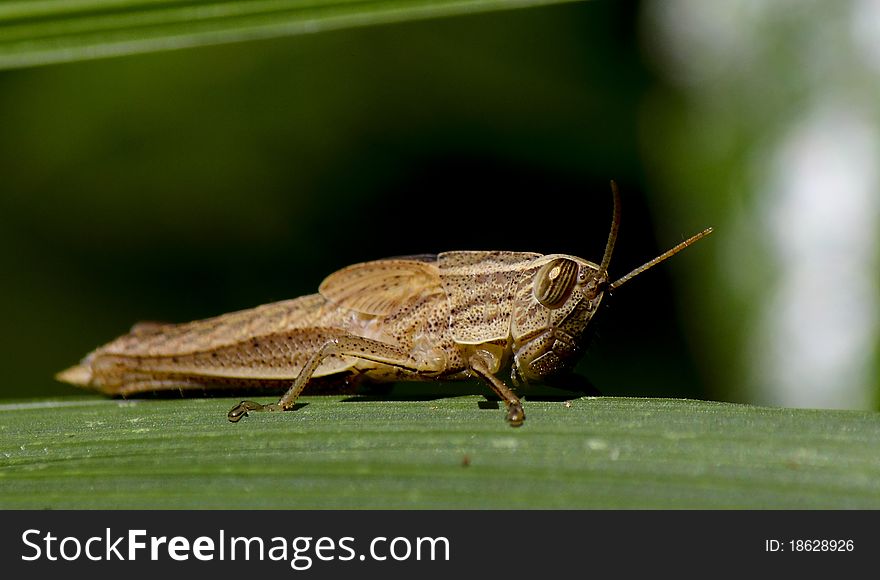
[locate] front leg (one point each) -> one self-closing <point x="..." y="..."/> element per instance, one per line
<point x="347" y="345"/>
<point x="479" y="364"/>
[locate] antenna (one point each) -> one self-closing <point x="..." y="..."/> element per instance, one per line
<point x="655" y="261"/>
<point x="615" y="225"/>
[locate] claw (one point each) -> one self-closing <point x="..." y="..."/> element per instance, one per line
<point x="515" y="414"/>
<point x="241" y="410"/>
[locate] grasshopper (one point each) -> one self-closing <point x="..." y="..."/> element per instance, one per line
<point x="456" y="315"/>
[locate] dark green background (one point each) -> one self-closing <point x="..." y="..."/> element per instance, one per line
<point x="182" y="185"/>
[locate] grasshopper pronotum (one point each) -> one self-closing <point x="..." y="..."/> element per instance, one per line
<point x="456" y="315"/>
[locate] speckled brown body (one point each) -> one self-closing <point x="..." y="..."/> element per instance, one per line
<point x="446" y="317"/>
<point x="452" y="305"/>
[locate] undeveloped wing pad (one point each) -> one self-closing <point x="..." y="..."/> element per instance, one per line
<point x="381" y="287"/>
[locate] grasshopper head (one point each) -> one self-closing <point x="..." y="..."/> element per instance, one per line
<point x="556" y="300"/>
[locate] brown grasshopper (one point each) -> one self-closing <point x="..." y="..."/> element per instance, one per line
<point x="456" y="315"/>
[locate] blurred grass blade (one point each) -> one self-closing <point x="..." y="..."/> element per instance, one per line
<point x="41" y="32"/>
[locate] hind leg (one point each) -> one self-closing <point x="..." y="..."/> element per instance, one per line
<point x="347" y="346"/>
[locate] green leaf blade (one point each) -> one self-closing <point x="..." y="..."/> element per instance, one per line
<point x="437" y="454"/>
<point x="40" y="33"/>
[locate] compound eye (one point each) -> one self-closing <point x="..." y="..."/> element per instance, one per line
<point x="555" y="281"/>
